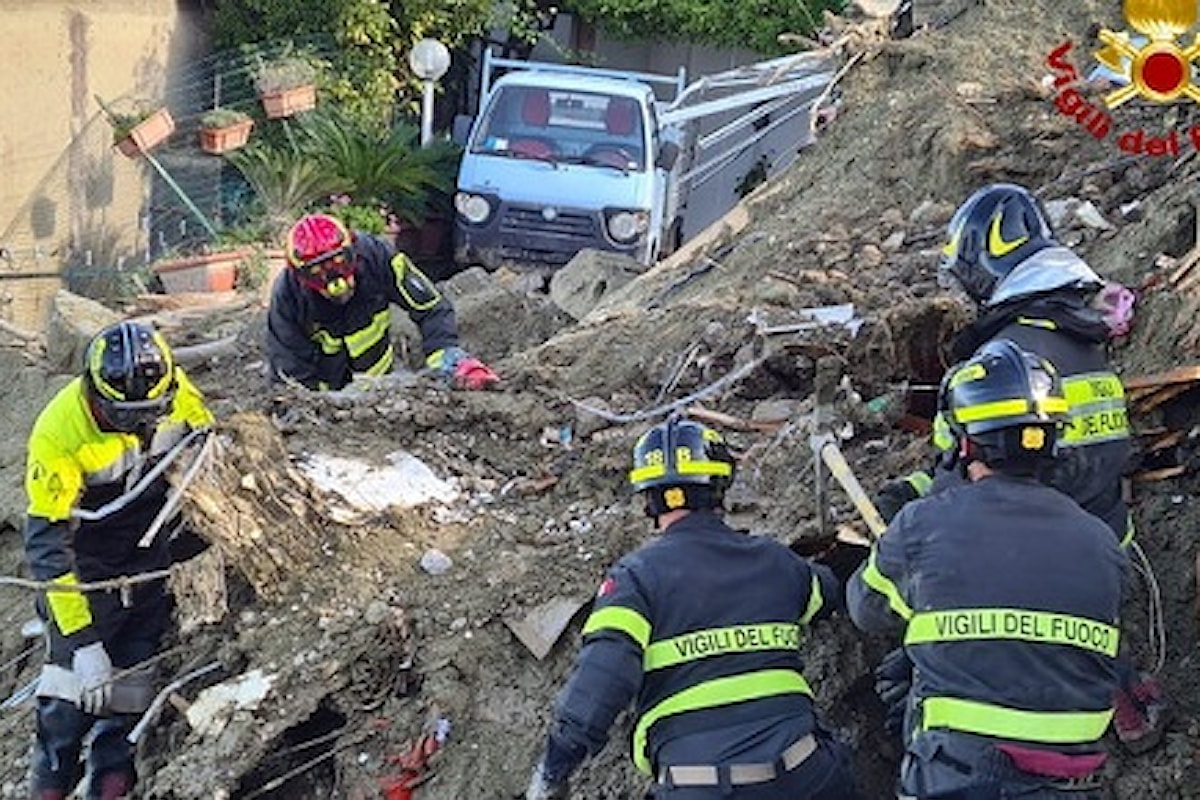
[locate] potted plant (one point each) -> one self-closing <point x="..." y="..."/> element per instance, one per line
<point x="140" y="129"/>
<point x="224" y="129"/>
<point x="286" y="85"/>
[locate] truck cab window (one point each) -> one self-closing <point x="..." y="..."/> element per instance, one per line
<point x="592" y="129"/>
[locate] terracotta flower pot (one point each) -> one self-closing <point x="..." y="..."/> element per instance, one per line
<point x="221" y="140"/>
<point x="290" y="101"/>
<point x="147" y="134"/>
<point x="214" y="272"/>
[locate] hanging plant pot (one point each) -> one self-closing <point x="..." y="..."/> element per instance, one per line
<point x="226" y="138"/>
<point x="291" y="101"/>
<point x="147" y="134"/>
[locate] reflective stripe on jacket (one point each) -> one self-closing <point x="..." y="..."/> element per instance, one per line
<point x="714" y="616"/>
<point x="322" y="344"/>
<point x="72" y="464"/>
<point x="1009" y="596"/>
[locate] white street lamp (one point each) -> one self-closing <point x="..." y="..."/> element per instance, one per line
<point x="429" y="60"/>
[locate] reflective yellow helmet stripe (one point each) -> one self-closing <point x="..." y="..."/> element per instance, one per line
<point x="996" y="244"/>
<point x="1014" y="624"/>
<point x="999" y="409"/>
<point x="881" y="583"/>
<point x="618" y="618"/>
<point x="711" y="642"/>
<point x="71" y="610"/>
<point x="986" y="719"/>
<point x="713" y="694"/>
<point x="652" y="471"/>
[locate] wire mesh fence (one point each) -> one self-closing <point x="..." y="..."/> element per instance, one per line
<point x="97" y="219"/>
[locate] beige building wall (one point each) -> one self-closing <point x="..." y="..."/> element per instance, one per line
<point x="64" y="189"/>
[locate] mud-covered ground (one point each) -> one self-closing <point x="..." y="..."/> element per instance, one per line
<point x="365" y="648"/>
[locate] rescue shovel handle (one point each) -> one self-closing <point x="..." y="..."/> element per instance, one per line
<point x="826" y="448"/>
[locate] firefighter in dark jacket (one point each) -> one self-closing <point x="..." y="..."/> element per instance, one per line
<point x="329" y="317"/>
<point x="1008" y="596"/>
<point x="702" y="626"/>
<point x="1031" y="290"/>
<point x="93" y="497"/>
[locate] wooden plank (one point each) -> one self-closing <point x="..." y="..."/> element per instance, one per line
<point x="1186" y="374"/>
<point x="1161" y="396"/>
<point x="735" y="423"/>
<point x="1169" y="439"/>
<point x="1150" y="476"/>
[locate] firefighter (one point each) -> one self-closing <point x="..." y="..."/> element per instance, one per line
<point x="1008" y="596"/>
<point x="329" y="317"/>
<point x="702" y="626"/>
<point x="93" y="497"/>
<point x="1030" y="289"/>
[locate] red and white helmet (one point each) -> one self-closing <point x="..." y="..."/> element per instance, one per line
<point x="318" y="248"/>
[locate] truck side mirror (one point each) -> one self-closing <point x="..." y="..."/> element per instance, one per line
<point x="461" y="129"/>
<point x="668" y="154"/>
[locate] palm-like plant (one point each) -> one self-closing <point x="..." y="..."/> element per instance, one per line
<point x="286" y="180"/>
<point x="389" y="169"/>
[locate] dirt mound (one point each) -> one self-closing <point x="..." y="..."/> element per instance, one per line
<point x="364" y="649"/>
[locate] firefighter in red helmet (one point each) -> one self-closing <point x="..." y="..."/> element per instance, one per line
<point x="330" y="311"/>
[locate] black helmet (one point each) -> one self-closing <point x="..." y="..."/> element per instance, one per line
<point x="996" y="229"/>
<point x="130" y="375"/>
<point x="681" y="464"/>
<point x="1007" y="402"/>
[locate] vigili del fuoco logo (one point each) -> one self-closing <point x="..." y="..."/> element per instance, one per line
<point x="1150" y="65"/>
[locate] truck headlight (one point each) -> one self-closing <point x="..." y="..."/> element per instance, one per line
<point x="474" y="208"/>
<point x="626" y="226"/>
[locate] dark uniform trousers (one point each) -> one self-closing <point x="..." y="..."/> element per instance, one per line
<point x="945" y="765"/>
<point x="130" y="635"/>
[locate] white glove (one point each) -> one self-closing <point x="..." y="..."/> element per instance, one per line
<point x="541" y="789"/>
<point x="93" y="669"/>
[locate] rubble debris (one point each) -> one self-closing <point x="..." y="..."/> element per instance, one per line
<point x="404" y="482"/>
<point x="74" y="321"/>
<point x="540" y="627"/>
<point x="1148" y="392"/>
<point x="805" y="319"/>
<point x="213" y="708"/>
<point x="589" y="277"/>
<point x="435" y="562"/>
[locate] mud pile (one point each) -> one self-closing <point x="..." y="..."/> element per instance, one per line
<point x="362" y="649"/>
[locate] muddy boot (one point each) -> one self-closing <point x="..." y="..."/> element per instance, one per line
<point x="114" y="786"/>
<point x="1140" y="715"/>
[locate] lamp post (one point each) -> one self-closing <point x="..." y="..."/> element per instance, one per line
<point x="429" y="60"/>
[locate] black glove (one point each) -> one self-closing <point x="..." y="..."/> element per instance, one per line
<point x="894" y="496"/>
<point x="893" y="682"/>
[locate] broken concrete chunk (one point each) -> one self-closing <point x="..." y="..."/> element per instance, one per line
<point x="542" y="626"/>
<point x="74" y="320"/>
<point x="588" y="278"/>
<point x="435" y="562"/>
<point x="215" y="706"/>
<point x="405" y="482"/>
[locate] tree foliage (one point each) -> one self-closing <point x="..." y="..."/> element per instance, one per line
<point x="753" y="24"/>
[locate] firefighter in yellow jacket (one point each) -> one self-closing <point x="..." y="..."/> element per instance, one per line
<point x="94" y="492"/>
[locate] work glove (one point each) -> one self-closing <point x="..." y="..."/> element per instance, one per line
<point x="893" y="682"/>
<point x="542" y="789"/>
<point x="461" y="369"/>
<point x="93" y="669"/>
<point x="895" y="495"/>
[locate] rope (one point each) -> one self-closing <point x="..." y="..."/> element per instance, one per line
<point x="107" y="585"/>
<point x="1154" y="613"/>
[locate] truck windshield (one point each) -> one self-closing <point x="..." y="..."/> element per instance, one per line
<point x="556" y="125"/>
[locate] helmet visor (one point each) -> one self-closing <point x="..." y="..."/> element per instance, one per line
<point x="134" y="416"/>
<point x="324" y="272"/>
